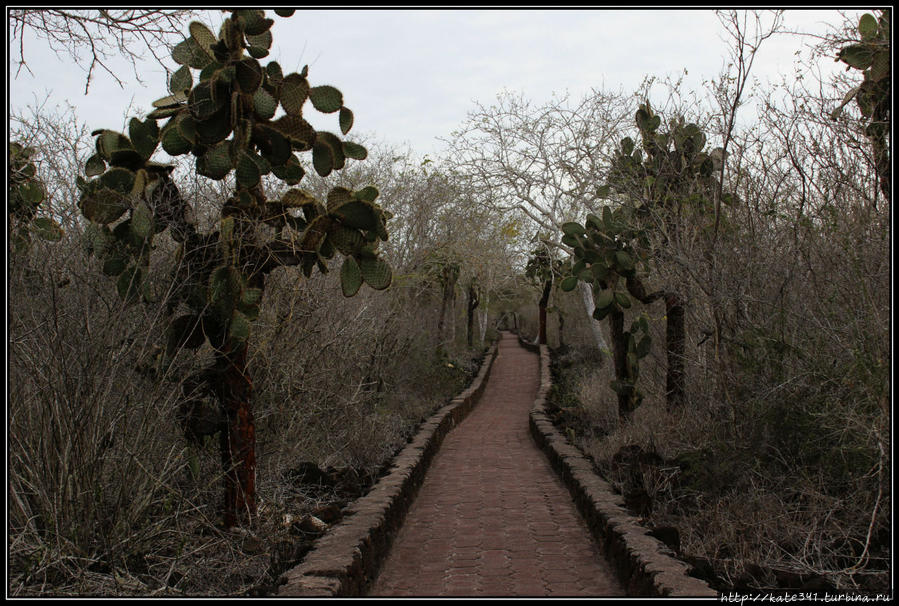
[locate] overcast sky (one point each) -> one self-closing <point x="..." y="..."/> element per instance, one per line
<point x="411" y="76"/>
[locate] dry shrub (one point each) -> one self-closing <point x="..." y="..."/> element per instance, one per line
<point x="342" y="381"/>
<point x="94" y="457"/>
<point x="781" y="458"/>
<point x="597" y="398"/>
<point x="106" y="495"/>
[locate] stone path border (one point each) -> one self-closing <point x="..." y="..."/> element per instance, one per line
<point x="346" y="558"/>
<point x="645" y="565"/>
<point x="492" y="518"/>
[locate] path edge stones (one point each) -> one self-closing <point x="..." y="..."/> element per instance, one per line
<point x="345" y="560"/>
<point x="645" y="566"/>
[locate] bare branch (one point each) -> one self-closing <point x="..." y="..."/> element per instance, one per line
<point x="104" y="34"/>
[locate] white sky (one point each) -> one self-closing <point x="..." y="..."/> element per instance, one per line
<point x="412" y="75"/>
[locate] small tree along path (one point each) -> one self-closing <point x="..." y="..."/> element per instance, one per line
<point x="491" y="517"/>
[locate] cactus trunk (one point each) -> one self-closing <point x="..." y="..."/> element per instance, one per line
<point x="619" y="358"/>
<point x="238" y="440"/>
<point x="473" y="302"/>
<point x="482" y="320"/>
<point x="445" y="306"/>
<point x="544" y="301"/>
<point x="561" y="329"/>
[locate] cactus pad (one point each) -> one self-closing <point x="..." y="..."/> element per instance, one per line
<point x="326" y="99"/>
<point x="375" y="272"/>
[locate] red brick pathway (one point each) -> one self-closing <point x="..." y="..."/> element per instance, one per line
<point x="491" y="517"/>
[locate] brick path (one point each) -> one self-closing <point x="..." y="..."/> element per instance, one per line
<point x="491" y="517"/>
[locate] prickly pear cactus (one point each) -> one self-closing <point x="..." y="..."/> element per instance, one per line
<point x="221" y="110"/>
<point x="671" y="171"/>
<point x="871" y="55"/>
<point x="26" y="193"/>
<point x="606" y="255"/>
<point x="542" y="267"/>
<point x="670" y="176"/>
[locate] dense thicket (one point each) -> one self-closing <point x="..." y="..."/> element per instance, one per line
<point x="776" y="469"/>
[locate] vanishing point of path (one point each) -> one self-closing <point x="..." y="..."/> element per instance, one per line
<point x="491" y="517"/>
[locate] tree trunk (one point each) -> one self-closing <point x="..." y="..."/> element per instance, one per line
<point x="483" y="320"/>
<point x="619" y="358"/>
<point x="447" y="308"/>
<point x="441" y="322"/>
<point x="675" y="337"/>
<point x="238" y="438"/>
<point x="589" y="306"/>
<point x="544" y="301"/>
<point x="473" y="302"/>
<point x="877" y="133"/>
<point x="452" y="318"/>
<point x="561" y="328"/>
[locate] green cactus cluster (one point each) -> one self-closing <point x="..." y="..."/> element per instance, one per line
<point x="26" y="193"/>
<point x="871" y="55"/>
<point x="442" y="268"/>
<point x="225" y="118"/>
<point x="671" y="174"/>
<point x="541" y="266"/>
<point x="236" y="94"/>
<point x="676" y="169"/>
<point x="638" y="347"/>
<point x="606" y="254"/>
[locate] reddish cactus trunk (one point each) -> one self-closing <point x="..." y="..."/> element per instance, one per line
<point x="238" y="438"/>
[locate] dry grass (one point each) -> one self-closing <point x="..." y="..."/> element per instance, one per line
<point x="107" y="497"/>
<point x="780" y="463"/>
<point x="733" y="507"/>
<point x="789" y="474"/>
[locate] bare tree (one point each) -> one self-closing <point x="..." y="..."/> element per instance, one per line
<point x="93" y="37"/>
<point x="62" y="144"/>
<point x="730" y="92"/>
<point x="543" y="163"/>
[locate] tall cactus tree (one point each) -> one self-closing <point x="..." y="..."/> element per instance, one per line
<point x="225" y="118"/>
<point x="606" y="254"/>
<point x="871" y="56"/>
<point x="669" y="176"/>
<point x="443" y="268"/>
